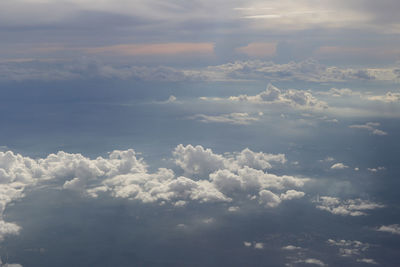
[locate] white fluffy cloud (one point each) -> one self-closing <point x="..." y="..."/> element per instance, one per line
<point x="298" y="99"/>
<point x="207" y="177"/>
<point x="350" y="207"/>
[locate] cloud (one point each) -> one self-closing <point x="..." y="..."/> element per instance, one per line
<point x="231" y="118"/>
<point x="256" y="245"/>
<point x="292" y="194"/>
<point x="369" y="126"/>
<point x="309" y="70"/>
<point x="311" y="261"/>
<point x="291" y="247"/>
<point x="368" y="261"/>
<point x="380" y="168"/>
<point x="207" y="178"/>
<point x="350" y="207"/>
<point x="339" y="166"/>
<point x="86" y="67"/>
<point x="393" y="229"/>
<point x="269" y="199"/>
<point x="389" y="97"/>
<point x="348" y="248"/>
<point x="298" y="99"/>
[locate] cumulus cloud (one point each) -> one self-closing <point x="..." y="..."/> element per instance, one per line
<point x="298" y="99"/>
<point x="350" y="207"/>
<point x="393" y="229"/>
<point x="292" y="194"/>
<point x="291" y="97"/>
<point x="339" y="166"/>
<point x="231" y="118"/>
<point x="369" y="126"/>
<point x="207" y="177"/>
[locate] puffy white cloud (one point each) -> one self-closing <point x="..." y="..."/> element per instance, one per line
<point x="208" y="177"/>
<point x="393" y="229"/>
<point x="350" y="207"/>
<point x="269" y="199"/>
<point x="8" y="229"/>
<point x="292" y="194"/>
<point x="272" y="95"/>
<point x="339" y="166"/>
<point x="197" y="160"/>
<point x="369" y="126"/>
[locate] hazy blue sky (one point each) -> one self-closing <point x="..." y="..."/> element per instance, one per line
<point x="199" y="133"/>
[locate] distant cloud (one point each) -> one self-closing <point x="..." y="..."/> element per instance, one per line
<point x="380" y="168"/>
<point x="368" y="261"/>
<point x="255" y="245"/>
<point x="369" y="126"/>
<point x="348" y="248"/>
<point x="231" y="118"/>
<point x="87" y="68"/>
<point x="389" y="97"/>
<point x="350" y="207"/>
<point x="291" y="247"/>
<point x="298" y="99"/>
<point x="393" y="229"/>
<point x="311" y="261"/>
<point x="339" y="166"/>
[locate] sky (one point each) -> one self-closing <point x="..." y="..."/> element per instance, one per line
<point x="199" y="133"/>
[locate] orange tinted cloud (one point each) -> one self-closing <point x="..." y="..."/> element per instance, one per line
<point x="258" y="49"/>
<point x="155" y="49"/>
